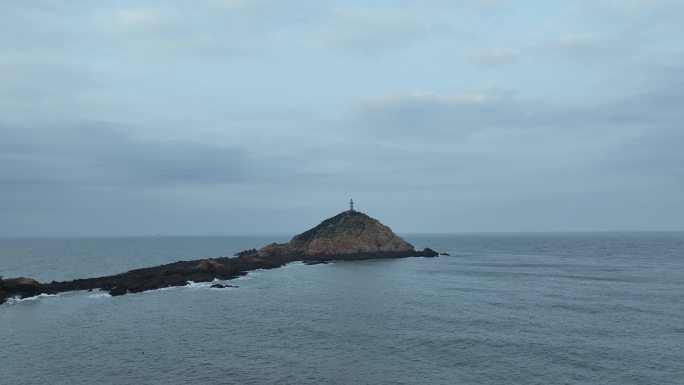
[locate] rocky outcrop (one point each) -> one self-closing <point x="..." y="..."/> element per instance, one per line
<point x="21" y="287"/>
<point x="350" y="235"/>
<point x="169" y="275"/>
<point x="350" y="232"/>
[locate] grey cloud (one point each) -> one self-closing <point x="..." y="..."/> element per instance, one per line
<point x="480" y="7"/>
<point x="375" y="30"/>
<point x="493" y="57"/>
<point x="177" y="29"/>
<point x="511" y="146"/>
<point x="656" y="156"/>
<point x="611" y="33"/>
<point x="444" y="114"/>
<point x="580" y="46"/>
<point x="229" y="116"/>
<point x="577" y="47"/>
<point x="415" y="114"/>
<point x="93" y="178"/>
<point x="97" y="155"/>
<point x="400" y="23"/>
<point x="655" y="151"/>
<point x="643" y="12"/>
<point x="227" y="28"/>
<point x="33" y="81"/>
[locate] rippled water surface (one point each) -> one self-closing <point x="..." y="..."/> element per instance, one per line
<point x="602" y="308"/>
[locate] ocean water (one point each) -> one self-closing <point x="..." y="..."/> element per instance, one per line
<point x="597" y="308"/>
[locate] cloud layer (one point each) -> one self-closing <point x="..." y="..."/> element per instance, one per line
<point x="242" y="117"/>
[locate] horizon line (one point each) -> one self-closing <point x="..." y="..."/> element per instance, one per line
<point x="160" y="235"/>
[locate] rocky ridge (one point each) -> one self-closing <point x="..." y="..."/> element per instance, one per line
<point x="350" y="235"/>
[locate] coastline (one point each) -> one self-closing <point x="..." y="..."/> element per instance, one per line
<point x="181" y="273"/>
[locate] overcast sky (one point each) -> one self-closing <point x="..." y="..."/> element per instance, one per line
<point x="266" y="116"/>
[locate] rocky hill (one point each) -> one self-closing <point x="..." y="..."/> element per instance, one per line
<point x="348" y="234"/>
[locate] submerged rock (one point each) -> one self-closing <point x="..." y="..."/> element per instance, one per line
<point x="221" y="286"/>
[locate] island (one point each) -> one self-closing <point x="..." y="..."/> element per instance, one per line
<point x="350" y="235"/>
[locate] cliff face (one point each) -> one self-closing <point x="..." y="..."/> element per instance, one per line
<point x="348" y="233"/>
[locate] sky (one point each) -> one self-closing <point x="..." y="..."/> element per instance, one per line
<point x="241" y="117"/>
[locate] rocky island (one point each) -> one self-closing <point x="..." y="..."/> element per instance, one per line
<point x="350" y="235"/>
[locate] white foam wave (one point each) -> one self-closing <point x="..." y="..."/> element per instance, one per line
<point x="99" y="295"/>
<point x="14" y="300"/>
<point x="294" y="264"/>
<point x="249" y="275"/>
<point x="199" y="285"/>
<point x="165" y="289"/>
<point x="39" y="296"/>
<point x="190" y="285"/>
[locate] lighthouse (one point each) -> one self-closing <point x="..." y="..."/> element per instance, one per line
<point x="351" y="205"/>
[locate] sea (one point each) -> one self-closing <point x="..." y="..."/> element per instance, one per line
<point x="523" y="308"/>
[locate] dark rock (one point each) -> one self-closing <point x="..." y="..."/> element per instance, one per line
<point x="22" y="287"/>
<point x="139" y="287"/>
<point x="246" y="252"/>
<point x="118" y="290"/>
<point x="21" y="283"/>
<point x="447" y="254"/>
<point x="310" y="263"/>
<point x="221" y="286"/>
<point x="206" y="264"/>
<point x="428" y="252"/>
